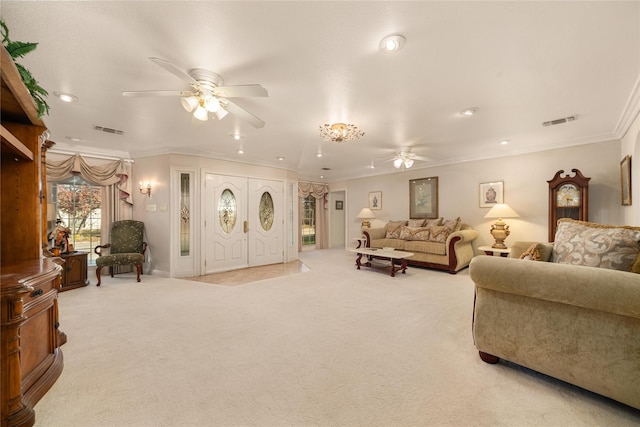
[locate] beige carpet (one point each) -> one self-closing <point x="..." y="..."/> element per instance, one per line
<point x="329" y="347"/>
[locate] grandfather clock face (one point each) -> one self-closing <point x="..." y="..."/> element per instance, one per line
<point x="568" y="195"/>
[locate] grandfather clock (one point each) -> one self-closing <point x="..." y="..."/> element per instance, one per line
<point x="568" y="198"/>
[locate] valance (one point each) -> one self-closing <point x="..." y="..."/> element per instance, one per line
<point x="316" y="189"/>
<point x="116" y="172"/>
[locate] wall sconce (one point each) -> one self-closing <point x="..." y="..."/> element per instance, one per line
<point x="145" y="189"/>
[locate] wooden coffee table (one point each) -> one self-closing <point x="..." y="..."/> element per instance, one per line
<point x="376" y="253"/>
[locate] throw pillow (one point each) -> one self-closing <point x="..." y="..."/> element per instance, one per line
<point x="531" y="253"/>
<point x="415" y="223"/>
<point x="414" y="233"/>
<point x="453" y="224"/>
<point x="393" y="229"/>
<point x="597" y="245"/>
<point x="432" y="222"/>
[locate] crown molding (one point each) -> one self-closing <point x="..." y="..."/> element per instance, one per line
<point x="630" y="112"/>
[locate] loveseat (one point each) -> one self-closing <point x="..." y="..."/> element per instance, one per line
<point x="436" y="243"/>
<point x="575" y="317"/>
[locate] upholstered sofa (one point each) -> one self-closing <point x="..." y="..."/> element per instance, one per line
<point x="438" y="243"/>
<point x="575" y="318"/>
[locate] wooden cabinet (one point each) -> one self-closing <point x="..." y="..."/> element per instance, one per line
<point x="74" y="271"/>
<point x="30" y="359"/>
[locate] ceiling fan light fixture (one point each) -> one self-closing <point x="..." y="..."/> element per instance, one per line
<point x="211" y="103"/>
<point x="201" y="113"/>
<point x="469" y="111"/>
<point x="221" y="113"/>
<point x="397" y="163"/>
<point x="340" y="132"/>
<point x="190" y="102"/>
<point x="408" y="163"/>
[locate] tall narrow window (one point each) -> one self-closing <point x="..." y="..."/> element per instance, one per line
<point x="77" y="204"/>
<point x="185" y="215"/>
<point x="309" y="220"/>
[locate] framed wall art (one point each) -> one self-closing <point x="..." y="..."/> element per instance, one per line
<point x="625" y="180"/>
<point x="423" y="198"/>
<point x="491" y="193"/>
<point x="375" y="200"/>
<point x="339" y="205"/>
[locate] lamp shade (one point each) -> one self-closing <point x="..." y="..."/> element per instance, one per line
<point x="201" y="113"/>
<point x="189" y="103"/>
<point x="501" y="210"/>
<point x="366" y="213"/>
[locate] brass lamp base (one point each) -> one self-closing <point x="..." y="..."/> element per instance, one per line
<point x="366" y="224"/>
<point x="499" y="231"/>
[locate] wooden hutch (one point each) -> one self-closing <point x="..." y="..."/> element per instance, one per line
<point x="30" y="358"/>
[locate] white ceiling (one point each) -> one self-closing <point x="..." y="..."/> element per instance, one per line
<point x="520" y="63"/>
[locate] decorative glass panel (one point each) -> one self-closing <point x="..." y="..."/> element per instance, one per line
<point x="227" y="211"/>
<point x="266" y="211"/>
<point x="185" y="215"/>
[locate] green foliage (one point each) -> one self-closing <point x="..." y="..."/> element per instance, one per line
<point x="18" y="50"/>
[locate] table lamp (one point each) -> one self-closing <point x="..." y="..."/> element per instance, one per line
<point x="500" y="230"/>
<point x="365" y="215"/>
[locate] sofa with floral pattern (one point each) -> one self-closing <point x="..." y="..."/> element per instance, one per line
<point x="435" y="243"/>
<point x="575" y="316"/>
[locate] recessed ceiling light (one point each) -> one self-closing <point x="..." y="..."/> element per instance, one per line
<point x="74" y="139"/>
<point x="392" y="43"/>
<point x="321" y="176"/>
<point x="236" y="136"/>
<point x="280" y="158"/>
<point x="240" y="151"/>
<point x="504" y="142"/>
<point x="66" y="97"/>
<point x="319" y="155"/>
<point x="469" y="111"/>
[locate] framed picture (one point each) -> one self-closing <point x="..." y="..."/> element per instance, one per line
<point x="625" y="180"/>
<point x="423" y="198"/>
<point x="375" y="200"/>
<point x="339" y="205"/>
<point x="491" y="193"/>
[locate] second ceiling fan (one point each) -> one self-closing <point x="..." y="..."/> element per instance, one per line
<point x="209" y="95"/>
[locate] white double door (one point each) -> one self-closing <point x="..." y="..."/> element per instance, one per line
<point x="244" y="222"/>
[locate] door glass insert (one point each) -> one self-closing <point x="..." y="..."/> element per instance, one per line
<point x="227" y="211"/>
<point x="185" y="215"/>
<point x="266" y="211"/>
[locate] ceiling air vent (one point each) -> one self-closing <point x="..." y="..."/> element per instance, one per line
<point x="325" y="169"/>
<point x="559" y="121"/>
<point x="108" y="130"/>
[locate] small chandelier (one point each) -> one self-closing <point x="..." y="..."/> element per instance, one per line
<point x="340" y="132"/>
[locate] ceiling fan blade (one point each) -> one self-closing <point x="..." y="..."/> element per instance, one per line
<point x="140" y="93"/>
<point x="424" y="159"/>
<point x="253" y="90"/>
<point x="243" y="114"/>
<point x="175" y="71"/>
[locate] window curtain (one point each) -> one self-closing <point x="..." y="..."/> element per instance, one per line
<point x="319" y="191"/>
<point x="114" y="176"/>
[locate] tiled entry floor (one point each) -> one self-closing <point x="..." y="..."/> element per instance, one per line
<point x="252" y="274"/>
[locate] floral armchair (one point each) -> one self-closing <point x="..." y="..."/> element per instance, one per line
<point x="126" y="248"/>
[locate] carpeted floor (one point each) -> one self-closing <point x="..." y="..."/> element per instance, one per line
<point x="332" y="346"/>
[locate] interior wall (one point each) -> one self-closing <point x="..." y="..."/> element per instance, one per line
<point x="337" y="225"/>
<point x="525" y="190"/>
<point x="631" y="146"/>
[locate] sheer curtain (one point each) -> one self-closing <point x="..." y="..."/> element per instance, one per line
<point x="114" y="176"/>
<point x="319" y="191"/>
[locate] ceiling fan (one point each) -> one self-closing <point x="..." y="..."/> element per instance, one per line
<point x="404" y="158"/>
<point x="209" y="95"/>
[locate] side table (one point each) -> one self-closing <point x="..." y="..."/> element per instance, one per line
<point x="489" y="250"/>
<point x="74" y="271"/>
